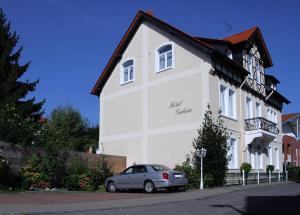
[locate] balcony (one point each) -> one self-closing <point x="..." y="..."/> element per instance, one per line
<point x="260" y="129"/>
<point x="260" y="123"/>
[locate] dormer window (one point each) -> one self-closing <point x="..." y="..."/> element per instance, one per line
<point x="229" y="54"/>
<point x="127" y="71"/>
<point x="164" y="58"/>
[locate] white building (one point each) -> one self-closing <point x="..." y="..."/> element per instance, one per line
<point x="154" y="92"/>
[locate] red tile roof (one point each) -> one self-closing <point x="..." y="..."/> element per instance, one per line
<point x="286" y="117"/>
<point x="242" y="36"/>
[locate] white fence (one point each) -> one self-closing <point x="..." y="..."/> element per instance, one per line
<point x="236" y="177"/>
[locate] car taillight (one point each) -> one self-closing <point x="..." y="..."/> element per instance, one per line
<point x="165" y="176"/>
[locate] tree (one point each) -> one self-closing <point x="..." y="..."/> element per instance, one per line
<point x="67" y="129"/>
<point x="213" y="137"/>
<point x="19" y="116"/>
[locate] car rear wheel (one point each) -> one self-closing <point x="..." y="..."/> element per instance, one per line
<point x="111" y="187"/>
<point x="149" y="187"/>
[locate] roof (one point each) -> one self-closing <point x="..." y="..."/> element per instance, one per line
<point x="272" y="78"/>
<point x="286" y="117"/>
<point x="197" y="42"/>
<point x="286" y="139"/>
<point x="127" y="38"/>
<point x="242" y="36"/>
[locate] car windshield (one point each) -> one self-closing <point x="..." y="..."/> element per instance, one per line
<point x="160" y="168"/>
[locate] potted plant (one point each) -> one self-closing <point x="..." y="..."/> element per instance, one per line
<point x="247" y="168"/>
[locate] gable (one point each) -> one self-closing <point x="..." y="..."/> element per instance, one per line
<point x="129" y="35"/>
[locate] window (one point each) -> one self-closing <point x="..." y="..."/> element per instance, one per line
<point x="249" y="65"/>
<point x="258" y="109"/>
<point x="229" y="54"/>
<point x="231" y="95"/>
<point x="227" y="102"/>
<point x="160" y="168"/>
<point x="257" y="69"/>
<point x="249" y="109"/>
<point x="165" y="58"/>
<point x="275" y="117"/>
<point x="222" y="99"/>
<point x="139" y="169"/>
<point x="128" y="171"/>
<point x="232" y="153"/>
<point x="272" y="115"/>
<point x="127" y="72"/>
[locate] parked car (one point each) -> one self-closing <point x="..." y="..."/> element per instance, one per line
<point x="148" y="177"/>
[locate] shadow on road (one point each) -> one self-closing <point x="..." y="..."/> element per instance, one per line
<point x="268" y="205"/>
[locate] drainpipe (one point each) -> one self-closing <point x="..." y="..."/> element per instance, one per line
<point x="242" y="121"/>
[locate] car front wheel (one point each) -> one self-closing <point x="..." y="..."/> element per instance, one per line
<point x="149" y="187"/>
<point x="111" y="187"/>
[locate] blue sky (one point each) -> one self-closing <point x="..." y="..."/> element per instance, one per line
<point x="69" y="42"/>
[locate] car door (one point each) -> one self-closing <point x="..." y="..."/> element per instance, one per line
<point x="138" y="177"/>
<point x="123" y="181"/>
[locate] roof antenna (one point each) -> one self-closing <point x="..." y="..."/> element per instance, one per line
<point x="227" y="26"/>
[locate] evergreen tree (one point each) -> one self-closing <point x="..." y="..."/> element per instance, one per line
<point x="19" y="116"/>
<point x="213" y="137"/>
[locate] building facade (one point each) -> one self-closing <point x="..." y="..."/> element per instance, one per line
<point x="155" y="89"/>
<point x="291" y="142"/>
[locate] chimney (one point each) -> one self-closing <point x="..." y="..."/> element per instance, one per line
<point x="150" y="12"/>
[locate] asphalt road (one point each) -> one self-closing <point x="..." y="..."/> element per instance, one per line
<point x="281" y="199"/>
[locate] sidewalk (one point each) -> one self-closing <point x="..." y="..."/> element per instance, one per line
<point x="117" y="200"/>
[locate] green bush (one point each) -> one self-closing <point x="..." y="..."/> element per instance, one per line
<point x="246" y="167"/>
<point x="192" y="174"/>
<point x="100" y="171"/>
<point x="294" y="172"/>
<point x="33" y="173"/>
<point x="82" y="177"/>
<point x="270" y="168"/>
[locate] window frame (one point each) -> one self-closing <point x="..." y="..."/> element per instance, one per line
<point x="234" y="158"/>
<point x="157" y="57"/>
<point x="229" y="54"/>
<point x="225" y="113"/>
<point x="251" y="114"/>
<point x="122" y="72"/>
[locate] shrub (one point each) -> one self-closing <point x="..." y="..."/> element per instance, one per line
<point x="294" y="172"/>
<point x="246" y="167"/>
<point x="4" y="167"/>
<point x="33" y="173"/>
<point x="100" y="171"/>
<point x="192" y="173"/>
<point x="81" y="177"/>
<point x="270" y="168"/>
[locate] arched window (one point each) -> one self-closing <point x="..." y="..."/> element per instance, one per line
<point x="229" y="54"/>
<point x="127" y="71"/>
<point x="164" y="57"/>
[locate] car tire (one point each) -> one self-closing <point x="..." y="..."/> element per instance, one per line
<point x="149" y="187"/>
<point x="111" y="187"/>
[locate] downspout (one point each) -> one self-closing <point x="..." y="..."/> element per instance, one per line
<point x="241" y="118"/>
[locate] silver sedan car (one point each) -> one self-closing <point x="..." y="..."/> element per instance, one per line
<point x="148" y="177"/>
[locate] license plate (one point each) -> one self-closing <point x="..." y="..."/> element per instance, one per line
<point x="178" y="176"/>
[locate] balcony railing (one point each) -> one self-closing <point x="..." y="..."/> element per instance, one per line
<point x="260" y="123"/>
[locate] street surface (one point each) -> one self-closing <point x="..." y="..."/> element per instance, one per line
<point x="276" y="198"/>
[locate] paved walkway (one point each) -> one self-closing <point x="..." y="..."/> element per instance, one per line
<point x="23" y="203"/>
